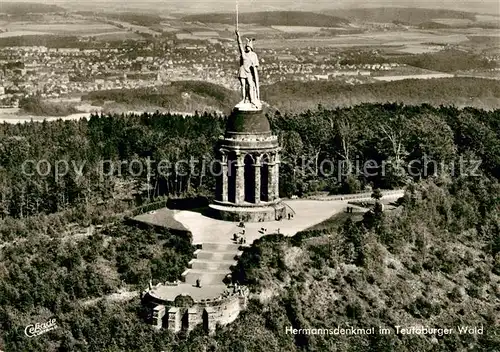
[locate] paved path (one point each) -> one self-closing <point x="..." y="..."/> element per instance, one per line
<point x="308" y="213"/>
<point x="212" y="263"/>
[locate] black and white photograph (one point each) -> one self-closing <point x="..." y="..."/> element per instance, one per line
<point x="249" y="176"/>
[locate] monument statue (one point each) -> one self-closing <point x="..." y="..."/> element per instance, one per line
<point x="248" y="74"/>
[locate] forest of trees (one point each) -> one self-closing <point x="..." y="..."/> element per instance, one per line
<point x="392" y="134"/>
<point x="202" y="96"/>
<point x="20" y="9"/>
<point x="297" y="96"/>
<point x="450" y="60"/>
<point x="445" y="235"/>
<point x="273" y="18"/>
<point x="36" y="106"/>
<point x="59" y="277"/>
<point x="412" y="16"/>
<point x="98" y="154"/>
<point x="434" y="262"/>
<point x="447" y="60"/>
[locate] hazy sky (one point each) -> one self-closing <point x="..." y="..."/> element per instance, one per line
<point x="484" y="6"/>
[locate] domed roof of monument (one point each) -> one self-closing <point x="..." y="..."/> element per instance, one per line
<point x="248" y="122"/>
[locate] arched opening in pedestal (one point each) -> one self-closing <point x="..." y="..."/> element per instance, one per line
<point x="249" y="179"/>
<point x="185" y="321"/>
<point x="264" y="179"/>
<point x="219" y="180"/>
<point x="206" y="323"/>
<point x="231" y="177"/>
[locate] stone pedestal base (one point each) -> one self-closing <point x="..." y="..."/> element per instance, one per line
<point x="249" y="212"/>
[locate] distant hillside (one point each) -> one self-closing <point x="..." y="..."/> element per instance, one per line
<point x="140" y="19"/>
<point x="413" y="16"/>
<point x="291" y="96"/>
<point x="22" y="8"/>
<point x="300" y="96"/>
<point x="48" y="40"/>
<point x="272" y="18"/>
<point x="183" y="96"/>
<point x="432" y="25"/>
<point x="448" y="61"/>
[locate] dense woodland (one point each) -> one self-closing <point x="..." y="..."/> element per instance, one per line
<point x="296" y="97"/>
<point x="36" y="106"/>
<point x="413" y="16"/>
<point x="107" y="157"/>
<point x="20" y="9"/>
<point x="177" y="96"/>
<point x="65" y="277"/>
<point x="434" y="260"/>
<point x="272" y="18"/>
<point x="337" y="17"/>
<point x="60" y="41"/>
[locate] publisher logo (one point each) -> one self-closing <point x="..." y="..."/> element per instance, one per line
<point x="37" y="329"/>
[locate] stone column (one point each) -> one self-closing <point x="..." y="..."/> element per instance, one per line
<point x="210" y="320"/>
<point x="273" y="185"/>
<point x="240" y="179"/>
<point x="257" y="167"/>
<point x="270" y="180"/>
<point x="193" y="318"/>
<point x="224" y="191"/>
<point x="277" y="176"/>
<point x="158" y="314"/>
<point x="174" y="319"/>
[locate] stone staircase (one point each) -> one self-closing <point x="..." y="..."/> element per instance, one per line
<point x="216" y="256"/>
<point x="220" y="247"/>
<point x="206" y="277"/>
<point x="211" y="263"/>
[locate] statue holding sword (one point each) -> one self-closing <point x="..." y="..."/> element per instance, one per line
<point x="248" y="73"/>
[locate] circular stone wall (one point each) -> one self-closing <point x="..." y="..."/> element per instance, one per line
<point x="248" y="122"/>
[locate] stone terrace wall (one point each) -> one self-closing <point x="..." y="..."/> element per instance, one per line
<point x="356" y="196"/>
<point x="210" y="312"/>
